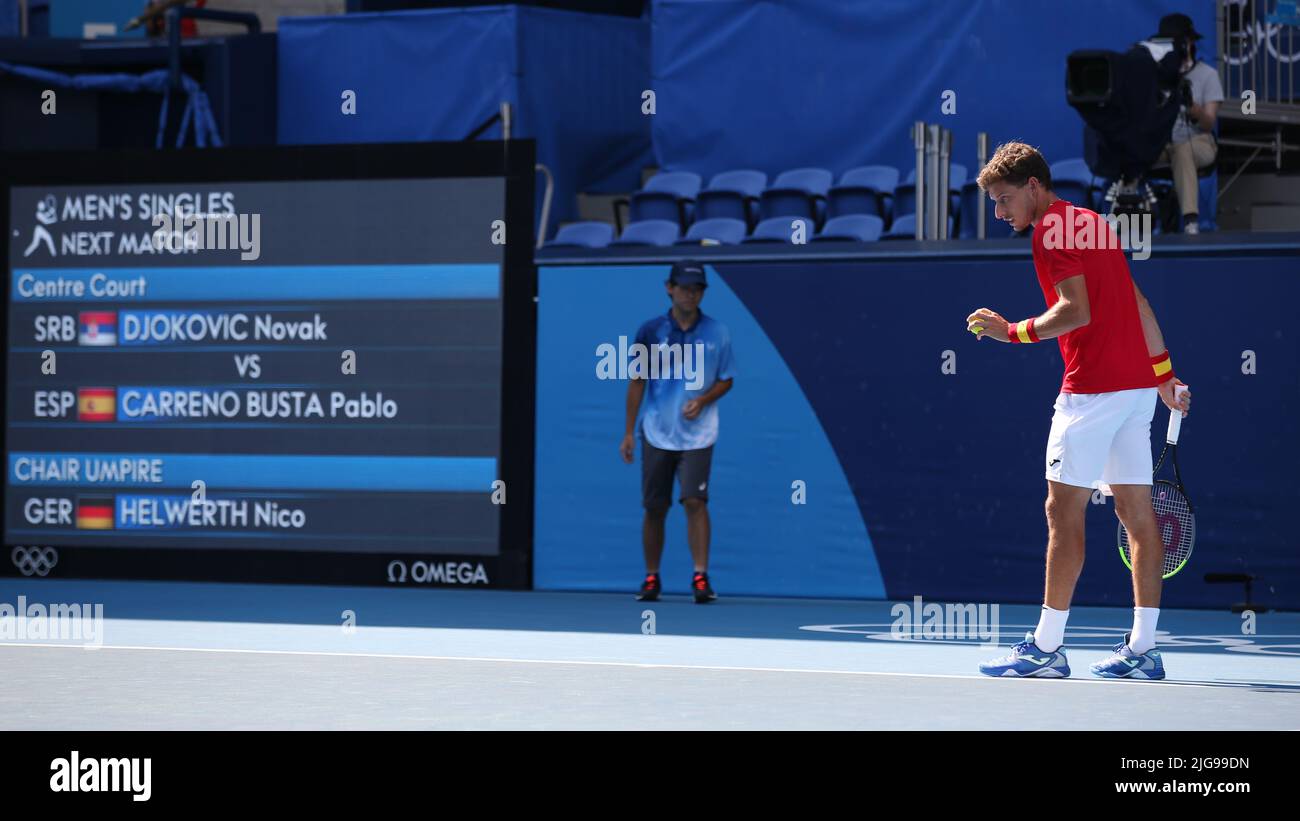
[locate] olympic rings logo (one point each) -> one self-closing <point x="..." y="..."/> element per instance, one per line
<point x="34" y="561"/>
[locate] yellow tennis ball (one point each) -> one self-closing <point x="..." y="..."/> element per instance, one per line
<point x="976" y="329"/>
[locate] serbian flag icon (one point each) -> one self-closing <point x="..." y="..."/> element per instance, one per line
<point x="96" y="405"/>
<point x="98" y="328"/>
<point x="94" y="513"/>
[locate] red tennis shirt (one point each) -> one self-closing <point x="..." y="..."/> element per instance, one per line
<point x="1110" y="352"/>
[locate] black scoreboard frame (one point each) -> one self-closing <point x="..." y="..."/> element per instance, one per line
<point x="513" y="161"/>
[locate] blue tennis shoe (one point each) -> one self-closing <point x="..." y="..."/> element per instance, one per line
<point x="1028" y="661"/>
<point x="1148" y="666"/>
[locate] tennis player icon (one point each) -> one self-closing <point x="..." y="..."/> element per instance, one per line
<point x="1116" y="365"/>
<point x="46" y="214"/>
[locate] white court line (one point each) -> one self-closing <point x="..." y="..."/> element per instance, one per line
<point x="618" y="664"/>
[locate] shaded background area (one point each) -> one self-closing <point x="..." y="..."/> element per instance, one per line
<point x="841" y="384"/>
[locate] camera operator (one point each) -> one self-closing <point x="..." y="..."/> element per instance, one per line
<point x="1191" y="145"/>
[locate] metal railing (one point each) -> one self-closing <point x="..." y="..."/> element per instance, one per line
<point x="1258" y="49"/>
<point x="175" y="14"/>
<point x="933" y="145"/>
<point x="546" y="203"/>
<point x="982" y="154"/>
<point x="503" y="115"/>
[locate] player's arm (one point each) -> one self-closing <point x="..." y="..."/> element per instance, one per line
<point x="692" y="408"/>
<point x="1150" y="328"/>
<point x="1070" y="312"/>
<point x="1205" y="115"/>
<point x="1158" y="353"/>
<point x="716" y="392"/>
<point x="635" y="391"/>
<point x="725" y="379"/>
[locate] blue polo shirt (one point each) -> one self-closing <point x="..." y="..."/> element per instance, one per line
<point x="663" y="424"/>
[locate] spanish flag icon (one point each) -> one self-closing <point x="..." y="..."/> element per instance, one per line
<point x="94" y="513"/>
<point x="96" y="404"/>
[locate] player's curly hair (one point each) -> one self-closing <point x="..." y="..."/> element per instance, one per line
<point x="1015" y="163"/>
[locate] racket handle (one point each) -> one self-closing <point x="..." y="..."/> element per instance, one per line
<point x="1175" y="417"/>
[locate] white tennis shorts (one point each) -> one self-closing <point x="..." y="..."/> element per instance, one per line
<point x="1102" y="439"/>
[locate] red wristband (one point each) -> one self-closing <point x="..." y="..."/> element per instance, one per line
<point x="1025" y="326"/>
<point x="1164" y="369"/>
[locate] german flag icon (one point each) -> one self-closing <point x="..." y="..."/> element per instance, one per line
<point x="96" y="404"/>
<point x="95" y="512"/>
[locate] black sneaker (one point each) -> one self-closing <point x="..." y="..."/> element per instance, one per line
<point x="703" y="590"/>
<point x="650" y="588"/>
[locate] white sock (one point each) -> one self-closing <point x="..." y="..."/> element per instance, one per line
<point x="1144" y="629"/>
<point x="1050" y="634"/>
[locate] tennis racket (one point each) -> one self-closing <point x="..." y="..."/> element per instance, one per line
<point x="1174" y="516"/>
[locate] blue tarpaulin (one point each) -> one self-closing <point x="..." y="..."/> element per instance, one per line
<point x="781" y="84"/>
<point x="574" y="80"/>
<point x="196" y="117"/>
<point x="9" y="20"/>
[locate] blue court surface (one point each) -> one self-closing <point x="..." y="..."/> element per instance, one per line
<point x="209" y="656"/>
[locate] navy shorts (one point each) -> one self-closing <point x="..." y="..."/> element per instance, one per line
<point x="691" y="467"/>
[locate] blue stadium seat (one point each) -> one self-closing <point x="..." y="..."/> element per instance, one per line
<point x="994" y="228"/>
<point x="780" y="229"/>
<point x="685" y="184"/>
<point x="583" y="234"/>
<point x="668" y="195"/>
<point x="956" y="176"/>
<point x="733" y="195"/>
<point x="1073" y="181"/>
<point x="1208" y="199"/>
<point x="851" y="227"/>
<point x="904" y="198"/>
<point x="905" y="228"/>
<point x="799" y="192"/>
<point x="720" y="230"/>
<point x="956" y="173"/>
<point x="867" y="189"/>
<point x="650" y="232"/>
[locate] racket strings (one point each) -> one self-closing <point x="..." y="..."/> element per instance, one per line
<point x="1175" y="522"/>
<point x="1177" y="527"/>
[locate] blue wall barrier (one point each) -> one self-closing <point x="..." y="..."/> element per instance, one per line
<point x="918" y="482"/>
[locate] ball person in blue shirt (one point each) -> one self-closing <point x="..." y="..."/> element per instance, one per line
<point x="680" y="423"/>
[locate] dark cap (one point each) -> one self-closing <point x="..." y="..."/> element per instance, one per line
<point x="687" y="272"/>
<point x="1177" y="25"/>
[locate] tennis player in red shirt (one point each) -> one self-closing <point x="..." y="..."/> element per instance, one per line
<point x="1115" y="366"/>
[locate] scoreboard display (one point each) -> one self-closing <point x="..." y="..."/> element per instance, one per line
<point x="285" y="379"/>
